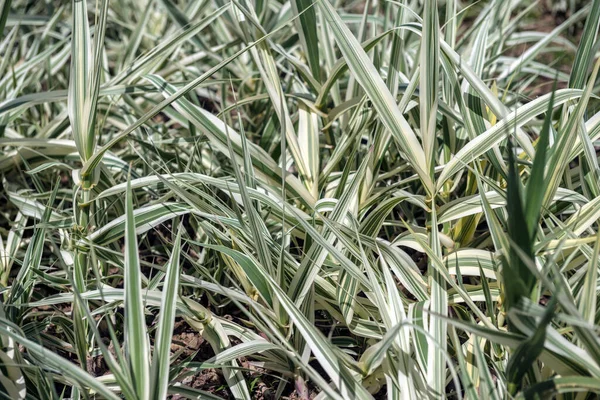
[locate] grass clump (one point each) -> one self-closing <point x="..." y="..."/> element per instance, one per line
<point x="207" y="199"/>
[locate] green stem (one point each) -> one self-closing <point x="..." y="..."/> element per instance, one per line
<point x="80" y="323"/>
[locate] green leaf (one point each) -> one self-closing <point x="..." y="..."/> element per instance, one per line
<point x="308" y="34"/>
<point x="383" y="102"/>
<point x="71" y="372"/>
<point x="429" y="83"/>
<point x="255" y="272"/>
<point x="528" y="351"/>
<point x="136" y="335"/>
<point x="161" y="361"/>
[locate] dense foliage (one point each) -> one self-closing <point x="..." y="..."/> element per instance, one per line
<point x="265" y="199"/>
